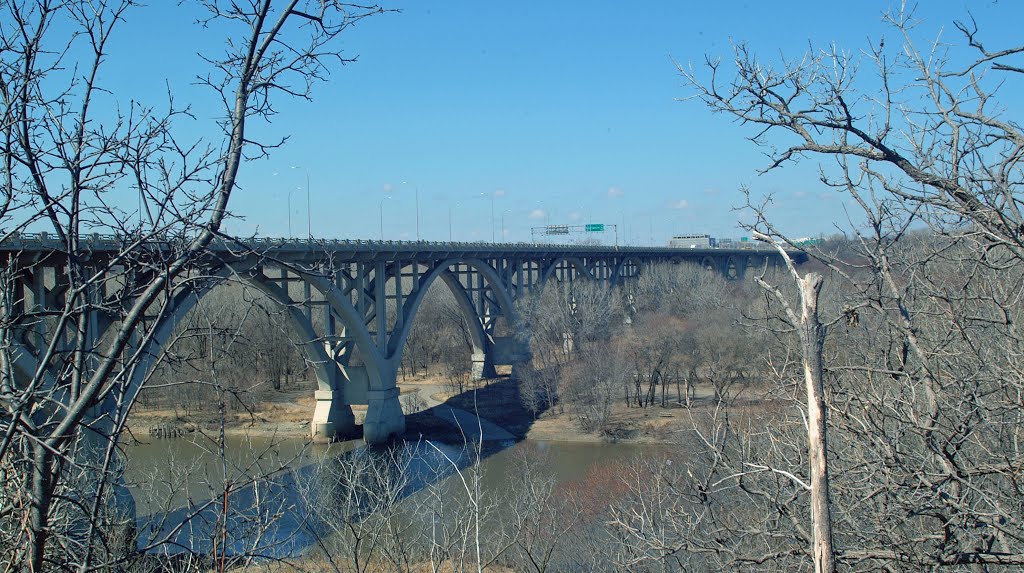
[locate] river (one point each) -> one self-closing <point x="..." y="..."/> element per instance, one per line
<point x="179" y="484"/>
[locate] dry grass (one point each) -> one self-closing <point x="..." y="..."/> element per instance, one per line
<point x="653" y="424"/>
<point x="287" y="413"/>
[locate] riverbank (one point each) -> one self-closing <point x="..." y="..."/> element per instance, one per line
<point x="433" y="411"/>
<point x="284" y="413"/>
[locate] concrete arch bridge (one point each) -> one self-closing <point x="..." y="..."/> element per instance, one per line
<point x="353" y="302"/>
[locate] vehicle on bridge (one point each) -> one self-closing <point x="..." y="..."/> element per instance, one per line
<point x="700" y="241"/>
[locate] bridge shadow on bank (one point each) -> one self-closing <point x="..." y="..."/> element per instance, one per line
<point x="492" y="413"/>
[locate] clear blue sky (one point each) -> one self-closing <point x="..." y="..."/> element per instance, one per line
<point x="560" y="112"/>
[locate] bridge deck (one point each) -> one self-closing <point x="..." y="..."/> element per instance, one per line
<point x="395" y="250"/>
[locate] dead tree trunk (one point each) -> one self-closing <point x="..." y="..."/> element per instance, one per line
<point x="812" y="342"/>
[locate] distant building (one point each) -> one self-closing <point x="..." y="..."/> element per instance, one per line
<point x="691" y="242"/>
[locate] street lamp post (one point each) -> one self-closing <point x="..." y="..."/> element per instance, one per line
<point x="290" y="212"/>
<point x="503" y="223"/>
<point x="482" y="194"/>
<point x="380" y="210"/>
<point x="309" y="226"/>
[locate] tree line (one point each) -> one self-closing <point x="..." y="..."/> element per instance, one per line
<point x="647" y="343"/>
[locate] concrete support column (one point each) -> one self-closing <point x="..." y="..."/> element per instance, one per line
<point x="509" y="351"/>
<point x="332" y="417"/>
<point x="482" y="366"/>
<point x="384" y="418"/>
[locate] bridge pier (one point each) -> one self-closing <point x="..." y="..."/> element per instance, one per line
<point x="332" y="417"/>
<point x="482" y="366"/>
<point x="384" y="420"/>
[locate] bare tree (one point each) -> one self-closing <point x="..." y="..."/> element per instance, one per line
<point x="461" y="520"/>
<point x="353" y="509"/>
<point x="805" y="320"/>
<point x="559" y="321"/>
<point x="542" y="518"/>
<point x="920" y="386"/>
<point x="67" y="152"/>
<point x="591" y="387"/>
<point x="678" y="289"/>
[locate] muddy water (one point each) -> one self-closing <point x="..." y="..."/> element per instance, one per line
<point x="268" y="480"/>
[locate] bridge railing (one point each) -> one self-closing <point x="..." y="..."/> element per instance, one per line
<point x="98" y="241"/>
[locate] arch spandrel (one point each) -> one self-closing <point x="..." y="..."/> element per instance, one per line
<point x="443" y="270"/>
<point x="189" y="296"/>
<point x="626" y="264"/>
<point x="732" y="269"/>
<point x="576" y="263"/>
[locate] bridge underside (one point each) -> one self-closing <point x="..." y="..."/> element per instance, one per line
<point x="353" y="309"/>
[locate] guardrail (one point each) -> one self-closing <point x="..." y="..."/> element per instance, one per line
<point x="97" y="241"/>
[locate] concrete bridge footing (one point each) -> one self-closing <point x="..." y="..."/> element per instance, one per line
<point x="482" y="366"/>
<point x="332" y="417"/>
<point x="384" y="418"/>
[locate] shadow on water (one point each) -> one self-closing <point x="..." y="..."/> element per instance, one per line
<point x="281" y="514"/>
<point x="274" y="505"/>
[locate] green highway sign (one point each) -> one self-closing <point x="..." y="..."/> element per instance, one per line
<point x="595" y="227"/>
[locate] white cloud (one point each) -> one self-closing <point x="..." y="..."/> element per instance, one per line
<point x="499" y="193"/>
<point x="537" y="214"/>
<point x="801" y="194"/>
<point x="575" y="216"/>
<point x="680" y="204"/>
<point x="614" y="192"/>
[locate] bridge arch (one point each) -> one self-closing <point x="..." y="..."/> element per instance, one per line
<point x="480" y="338"/>
<point x="575" y="263"/>
<point x="626" y="264"/>
<point x="381" y="364"/>
<point x="734" y="267"/>
<point x="189" y="296"/>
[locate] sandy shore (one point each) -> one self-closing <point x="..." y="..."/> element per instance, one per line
<point x="434" y="412"/>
